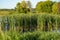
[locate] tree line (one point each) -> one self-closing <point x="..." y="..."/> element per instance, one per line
<point x="41" y="7"/>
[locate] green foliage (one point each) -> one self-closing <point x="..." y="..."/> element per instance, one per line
<point x="56" y="8"/>
<point x="19" y="7"/>
<point x="19" y="23"/>
<point x="2" y="35"/>
<point x="29" y="6"/>
<point x="44" y="6"/>
<point x="36" y="35"/>
<point x="30" y="22"/>
<point x="23" y="7"/>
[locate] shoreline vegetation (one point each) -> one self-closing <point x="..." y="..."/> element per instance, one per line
<point x="30" y="22"/>
<point x="27" y="23"/>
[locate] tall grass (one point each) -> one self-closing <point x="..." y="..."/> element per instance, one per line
<point x="2" y="35"/>
<point x="30" y="22"/>
<point x="13" y="26"/>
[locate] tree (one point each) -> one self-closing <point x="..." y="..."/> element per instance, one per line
<point x="44" y="6"/>
<point x="29" y="6"/>
<point x="24" y="7"/>
<point x="21" y="7"/>
<point x="56" y="8"/>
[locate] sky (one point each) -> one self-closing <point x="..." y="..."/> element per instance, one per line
<point x="11" y="4"/>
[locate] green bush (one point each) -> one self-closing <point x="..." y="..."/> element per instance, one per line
<point x="45" y="6"/>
